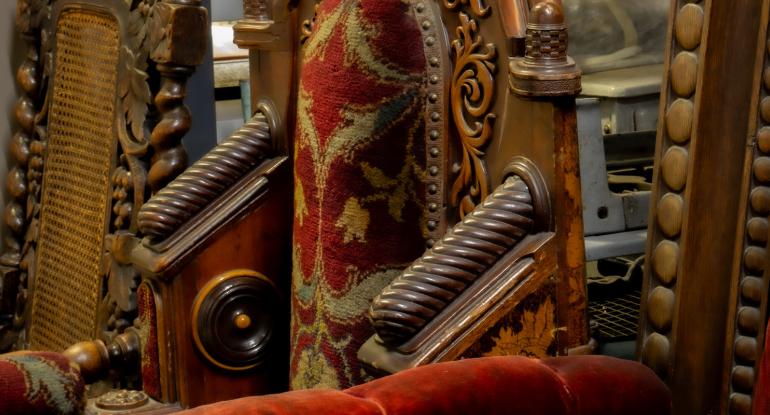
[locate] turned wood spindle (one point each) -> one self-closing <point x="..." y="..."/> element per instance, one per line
<point x="170" y="157"/>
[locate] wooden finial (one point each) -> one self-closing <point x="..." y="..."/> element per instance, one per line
<point x="545" y="69"/>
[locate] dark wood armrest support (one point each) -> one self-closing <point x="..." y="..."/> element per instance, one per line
<point x="220" y="188"/>
<point x="214" y="255"/>
<point x="207" y="179"/>
<point x="479" y="271"/>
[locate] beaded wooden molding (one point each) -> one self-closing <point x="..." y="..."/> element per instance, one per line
<point x="663" y="266"/>
<point x="435" y="47"/>
<point x="746" y="333"/>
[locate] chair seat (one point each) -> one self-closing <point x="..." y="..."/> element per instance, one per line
<point x="491" y="385"/>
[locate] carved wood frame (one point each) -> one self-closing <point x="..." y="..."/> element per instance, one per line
<point x="156" y="36"/>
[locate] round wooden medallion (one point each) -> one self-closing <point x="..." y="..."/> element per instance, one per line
<point x="233" y="319"/>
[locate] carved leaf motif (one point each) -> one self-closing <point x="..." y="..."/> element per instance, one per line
<point x="30" y="14"/>
<point x="472" y="93"/>
<point x="137" y="29"/>
<point x="477" y="6"/>
<point x="135" y="93"/>
<point x="158" y="26"/>
<point x="122" y="284"/>
<point x="535" y="337"/>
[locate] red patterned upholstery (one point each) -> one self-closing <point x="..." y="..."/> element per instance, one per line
<point x="359" y="180"/>
<point x="580" y="385"/>
<point x="40" y="383"/>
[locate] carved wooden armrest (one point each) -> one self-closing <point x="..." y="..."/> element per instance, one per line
<point x="485" y="265"/>
<point x="207" y="179"/>
<point x="216" y="190"/>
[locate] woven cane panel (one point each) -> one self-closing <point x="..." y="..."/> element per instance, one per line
<point x="76" y="188"/>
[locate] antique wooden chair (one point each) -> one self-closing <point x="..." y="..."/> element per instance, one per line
<point x="471" y="239"/>
<point x="509" y="277"/>
<point x="214" y="249"/>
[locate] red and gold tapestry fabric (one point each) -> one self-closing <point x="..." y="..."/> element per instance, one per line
<point x="147" y="324"/>
<point x="359" y="179"/>
<point x="40" y="383"/>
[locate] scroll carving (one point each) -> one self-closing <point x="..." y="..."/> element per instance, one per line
<point x="477" y="6"/>
<point x="468" y="250"/>
<point x="472" y="93"/>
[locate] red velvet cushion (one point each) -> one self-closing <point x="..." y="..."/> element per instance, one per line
<point x="311" y="401"/>
<point x="40" y="383"/>
<point x="493" y="385"/>
<point x="581" y="385"/>
<point x="604" y="385"/>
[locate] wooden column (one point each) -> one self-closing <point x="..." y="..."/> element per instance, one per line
<point x="696" y="200"/>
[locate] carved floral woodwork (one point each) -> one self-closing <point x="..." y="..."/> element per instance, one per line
<point x="479" y="8"/>
<point x="24" y="179"/>
<point x="472" y="93"/>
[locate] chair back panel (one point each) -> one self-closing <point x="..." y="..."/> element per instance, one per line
<point x="76" y="182"/>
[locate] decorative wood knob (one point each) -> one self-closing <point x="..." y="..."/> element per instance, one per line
<point x="545" y="69"/>
<point x="242" y="321"/>
<point x="96" y="359"/>
<point x="233" y="319"/>
<point x="91" y="357"/>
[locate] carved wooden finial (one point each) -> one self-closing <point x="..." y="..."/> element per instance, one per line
<point x="256" y="10"/>
<point x="545" y="69"/>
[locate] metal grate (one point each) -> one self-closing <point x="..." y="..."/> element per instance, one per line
<point x="76" y="188"/>
<point x="616" y="318"/>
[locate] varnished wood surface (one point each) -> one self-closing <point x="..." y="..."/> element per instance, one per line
<point x="748" y="300"/>
<point x="259" y="242"/>
<point x="684" y="341"/>
<point x="568" y="217"/>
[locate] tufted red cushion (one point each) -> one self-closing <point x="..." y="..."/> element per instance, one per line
<point x="580" y="385"/>
<point x="40" y="383"/>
